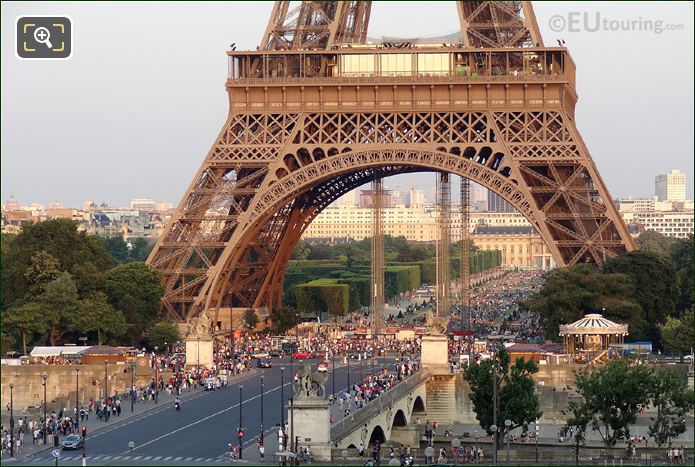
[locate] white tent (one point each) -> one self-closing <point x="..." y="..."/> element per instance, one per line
<point x="57" y="351"/>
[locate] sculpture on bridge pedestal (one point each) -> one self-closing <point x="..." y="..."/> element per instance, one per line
<point x="309" y="385"/>
<point x="437" y="325"/>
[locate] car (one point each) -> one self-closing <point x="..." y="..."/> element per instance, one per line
<point x="301" y="355"/>
<point x="264" y="363"/>
<point x="73" y="442"/>
<point x="319" y="354"/>
<point x="323" y="367"/>
<point x="261" y="354"/>
<point x="210" y="384"/>
<point x="275" y="354"/>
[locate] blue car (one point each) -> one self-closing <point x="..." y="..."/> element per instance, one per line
<point x="73" y="442"/>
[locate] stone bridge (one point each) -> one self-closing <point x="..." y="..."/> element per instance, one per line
<point x="390" y="417"/>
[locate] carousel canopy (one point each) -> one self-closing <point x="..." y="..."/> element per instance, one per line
<point x="593" y="324"/>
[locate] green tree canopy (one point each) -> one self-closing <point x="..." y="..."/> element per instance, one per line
<point x="655" y="285"/>
<point x="570" y="293"/>
<point x="61" y="307"/>
<point x="250" y="319"/>
<point x="611" y="396"/>
<point x="672" y="402"/>
<point x="654" y="242"/>
<point x="163" y="334"/>
<point x="518" y="401"/>
<point x="677" y="334"/>
<point x="98" y="315"/>
<point x="28" y="319"/>
<point x="682" y="257"/>
<point x="283" y="319"/>
<point x="141" y="283"/>
<point x="60" y="239"/>
<point x="43" y="268"/>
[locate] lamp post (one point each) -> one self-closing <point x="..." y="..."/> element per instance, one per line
<point x="293" y="445"/>
<point x="493" y="429"/>
<point x="106" y="390"/>
<point x="262" y="391"/>
<point x="333" y="378"/>
<point x="45" y="377"/>
<point x="347" y="355"/>
<point x="508" y="424"/>
<point x="282" y="398"/>
<point x="11" y="421"/>
<point x="77" y="394"/>
<point x="131" y="445"/>
<point x="132" y="386"/>
<point x="156" y="371"/>
<point x="494" y="404"/>
<point x="197" y="349"/>
<point x="241" y="429"/>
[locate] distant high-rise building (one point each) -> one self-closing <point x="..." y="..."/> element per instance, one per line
<point x="143" y="204"/>
<point x="670" y="186"/>
<point x="417" y="198"/>
<point x="55" y="205"/>
<point x="397" y="197"/>
<point x="12" y="204"/>
<point x="165" y="206"/>
<point x="366" y="199"/>
<point x="495" y="203"/>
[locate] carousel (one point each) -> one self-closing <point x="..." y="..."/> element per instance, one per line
<point x="593" y="333"/>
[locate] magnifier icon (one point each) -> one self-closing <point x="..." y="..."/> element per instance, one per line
<point x="43" y="36"/>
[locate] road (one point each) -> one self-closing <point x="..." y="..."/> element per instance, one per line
<point x="201" y="431"/>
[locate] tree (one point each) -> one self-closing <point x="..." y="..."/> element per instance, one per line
<point x="611" y="396"/>
<point x="42" y="269"/>
<point x="129" y="308"/>
<point x="655" y="285"/>
<point x="677" y="334"/>
<point x="89" y="279"/>
<point x="61" y="307"/>
<point x="118" y="249"/>
<point x="27" y="319"/>
<point x="654" y="242"/>
<point x="57" y="237"/>
<point x="301" y="250"/>
<point x="250" y="319"/>
<point x="570" y="293"/>
<point x="283" y="319"/>
<point x="140" y="249"/>
<point x="98" y="315"/>
<point x="141" y="283"/>
<point x="162" y="334"/>
<point x="6" y="342"/>
<point x="672" y="402"/>
<point x="517" y="400"/>
<point x="682" y="257"/>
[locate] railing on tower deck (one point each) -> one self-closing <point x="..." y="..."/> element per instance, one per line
<point x="440" y="63"/>
<point x="361" y="416"/>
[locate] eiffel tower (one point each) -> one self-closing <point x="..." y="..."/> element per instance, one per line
<point x="316" y="111"/>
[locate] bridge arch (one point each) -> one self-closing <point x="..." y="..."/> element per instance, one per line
<point x="399" y="419"/>
<point x="418" y="406"/>
<point x="377" y="435"/>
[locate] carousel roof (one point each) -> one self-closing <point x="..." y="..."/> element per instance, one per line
<point x="593" y="323"/>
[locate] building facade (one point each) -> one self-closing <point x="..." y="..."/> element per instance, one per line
<point x="670" y="186"/>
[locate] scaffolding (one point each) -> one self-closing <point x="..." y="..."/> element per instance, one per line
<point x="443" y="245"/>
<point x="377" y="295"/>
<point x="465" y="265"/>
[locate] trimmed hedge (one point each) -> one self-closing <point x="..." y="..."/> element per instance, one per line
<point x="323" y="295"/>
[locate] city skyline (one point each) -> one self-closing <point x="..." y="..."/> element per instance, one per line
<point x="108" y="144"/>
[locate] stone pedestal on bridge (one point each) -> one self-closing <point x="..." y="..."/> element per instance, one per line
<point x="199" y="351"/>
<point x="435" y="354"/>
<point x="312" y="426"/>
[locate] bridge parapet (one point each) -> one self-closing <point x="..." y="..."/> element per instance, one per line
<point x="362" y="416"/>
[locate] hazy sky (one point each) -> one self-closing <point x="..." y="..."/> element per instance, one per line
<point x="137" y="107"/>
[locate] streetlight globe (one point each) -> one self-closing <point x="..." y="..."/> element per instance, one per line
<point x="11" y="385"/>
<point x="493" y="428"/>
<point x="507" y="423"/>
<point x="44" y="376"/>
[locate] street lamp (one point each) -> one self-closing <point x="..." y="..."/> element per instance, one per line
<point x="282" y="398"/>
<point x="333" y="377"/>
<point x="77" y="394"/>
<point x="156" y="372"/>
<point x="45" y="434"/>
<point x="106" y="390"/>
<point x="11" y="422"/>
<point x="262" y="391"/>
<point x="537" y="435"/>
<point x="197" y="349"/>
<point x="493" y="430"/>
<point x="241" y="429"/>
<point x="132" y="386"/>
<point x="508" y="424"/>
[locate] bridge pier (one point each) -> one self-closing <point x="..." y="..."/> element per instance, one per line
<point x="312" y="427"/>
<point x="434" y="353"/>
<point x="199" y="349"/>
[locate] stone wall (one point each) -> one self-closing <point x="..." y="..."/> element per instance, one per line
<point x="61" y="383"/>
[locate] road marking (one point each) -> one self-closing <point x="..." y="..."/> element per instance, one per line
<point x="158" y="458"/>
<point x="188" y="459"/>
<point x="179" y="458"/>
<point x="168" y="458"/>
<point x="202" y="420"/>
<point x="150" y="457"/>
